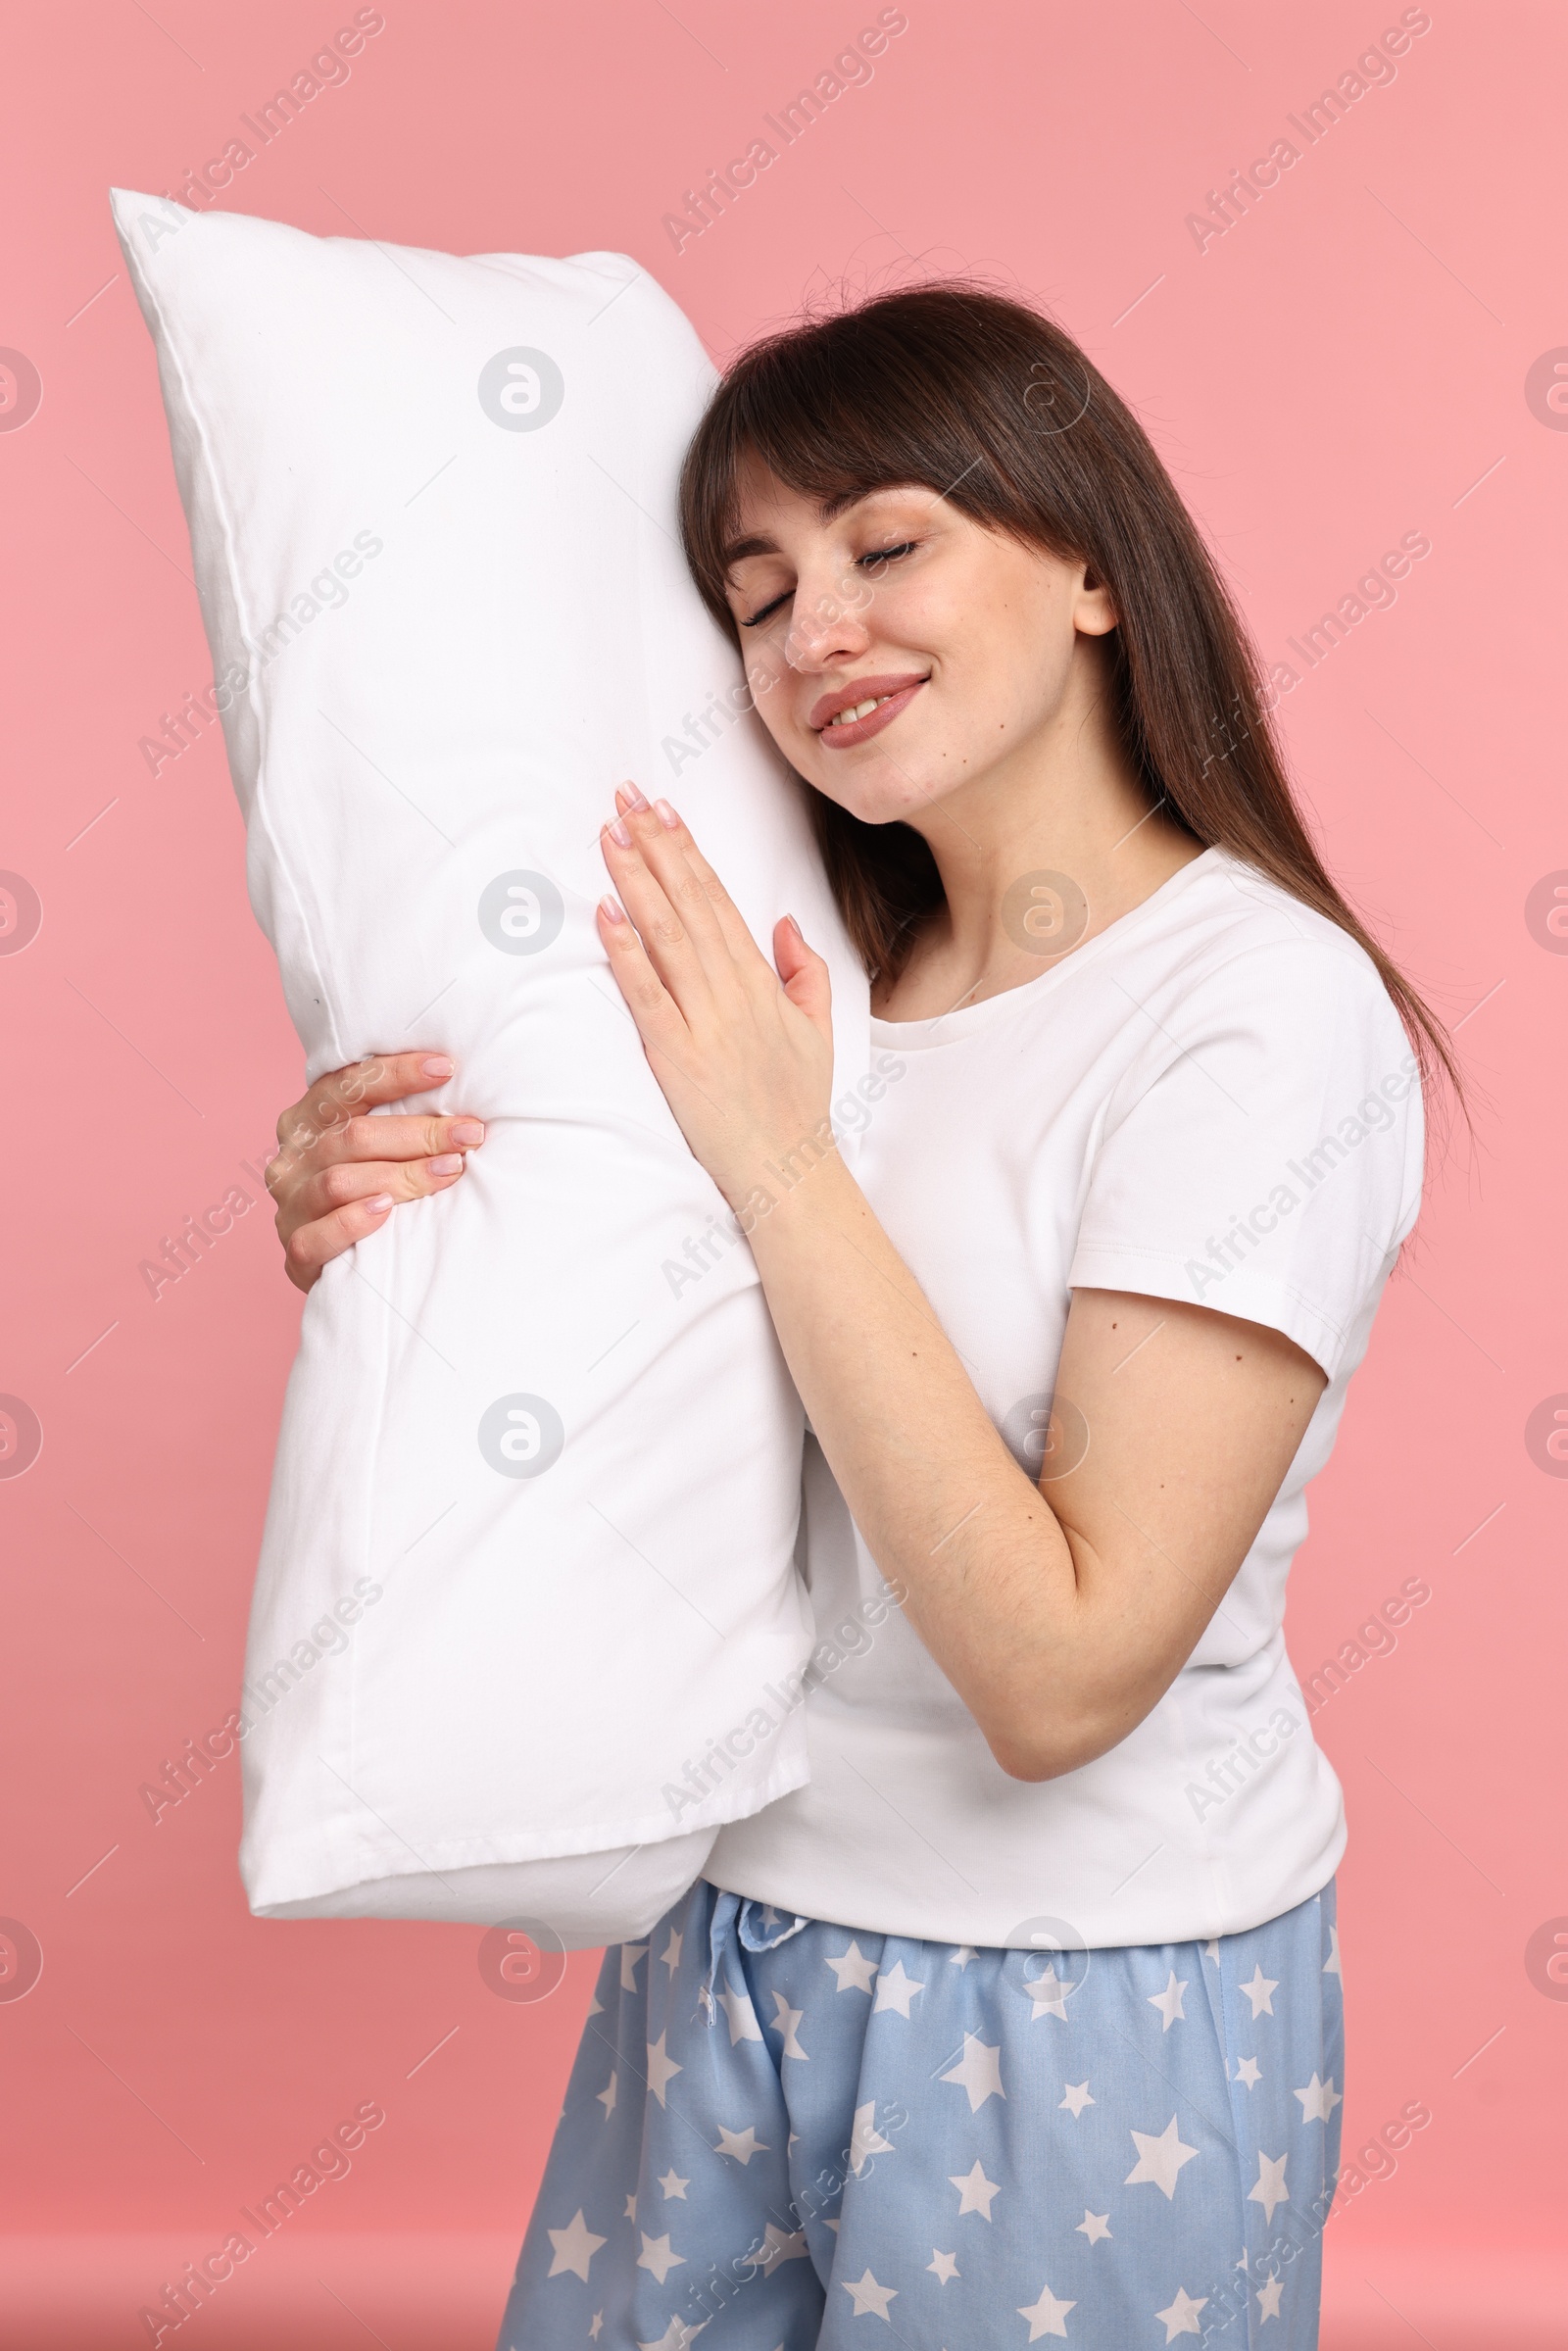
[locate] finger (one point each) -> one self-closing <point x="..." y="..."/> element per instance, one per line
<point x="646" y="995"/>
<point x="664" y="852"/>
<point x="413" y="1137"/>
<point x="382" y="1077"/>
<point x="666" y="938"/>
<point x="731" y="922"/>
<point x="660" y="1023"/>
<point x="311" y="1245"/>
<point x="348" y="1182"/>
<point x="807" y="982"/>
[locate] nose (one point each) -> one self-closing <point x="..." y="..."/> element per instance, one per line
<point x="826" y="627"/>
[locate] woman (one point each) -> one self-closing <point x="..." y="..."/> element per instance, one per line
<point x="1022" y="2019"/>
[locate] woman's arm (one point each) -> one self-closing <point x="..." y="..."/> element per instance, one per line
<point x="1060" y="1613"/>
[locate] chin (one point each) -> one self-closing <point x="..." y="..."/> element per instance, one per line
<point x="878" y="793"/>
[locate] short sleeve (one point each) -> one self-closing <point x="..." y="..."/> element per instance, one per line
<point x="1262" y="1153"/>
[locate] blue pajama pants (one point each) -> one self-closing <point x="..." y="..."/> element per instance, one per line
<point x="781" y="2132"/>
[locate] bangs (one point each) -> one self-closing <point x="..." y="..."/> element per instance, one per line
<point x="906" y="390"/>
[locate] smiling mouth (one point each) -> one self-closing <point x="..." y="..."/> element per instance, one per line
<point x="877" y="703"/>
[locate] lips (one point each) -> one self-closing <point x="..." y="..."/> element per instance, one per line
<point x="892" y="694"/>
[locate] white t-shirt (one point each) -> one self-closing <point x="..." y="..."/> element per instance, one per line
<point x="1213" y="1101"/>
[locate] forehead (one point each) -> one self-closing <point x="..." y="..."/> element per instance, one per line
<point x="769" y="512"/>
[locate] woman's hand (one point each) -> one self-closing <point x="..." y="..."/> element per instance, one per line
<point x="340" y="1173"/>
<point x="744" y="1052"/>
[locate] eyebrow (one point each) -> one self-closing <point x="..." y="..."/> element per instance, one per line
<point x="828" y="509"/>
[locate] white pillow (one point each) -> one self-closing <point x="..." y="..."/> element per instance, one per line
<point x="528" y="1626"/>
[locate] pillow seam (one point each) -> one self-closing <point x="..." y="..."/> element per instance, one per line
<point x="232" y="568"/>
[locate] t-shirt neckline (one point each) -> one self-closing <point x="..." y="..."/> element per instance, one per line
<point x="940" y="1028"/>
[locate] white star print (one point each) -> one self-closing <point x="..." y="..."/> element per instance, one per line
<point x="853" y="1969"/>
<point x="661" y="2068"/>
<point x="777" y="2246"/>
<point x="1049" y="1993"/>
<point x="606" y="2096"/>
<point x="742" y="2016"/>
<point x="742" y="2144"/>
<point x="1094" y="2225"/>
<point x="1077" y="2097"/>
<point x="976" y="2190"/>
<point x="1182" y="2316"/>
<point x="896" y="1989"/>
<point x="1331" y="1965"/>
<point x="1268" y="2298"/>
<point x="785" y="2022"/>
<point x="673" y="2185"/>
<point x="1269" y="2188"/>
<point x="978" y="2071"/>
<point x="1260" y="1991"/>
<point x="1047" y="2315"/>
<point x="671" y="1954"/>
<point x="1169" y="2003"/>
<point x="1249" y="2069"/>
<point x="573" y="2247"/>
<point x="1318" y="2099"/>
<point x="675" y="2338"/>
<point x="657" y="2256"/>
<point x="962" y="1957"/>
<point x="943" y="2265"/>
<point x="595" y="2324"/>
<point x="1211" y="1950"/>
<point x="631" y="2206"/>
<point x="866" y="2139"/>
<point x="867" y="2296"/>
<point x="1160" y="2159"/>
<point x="596" y="2006"/>
<point x="630" y="1953"/>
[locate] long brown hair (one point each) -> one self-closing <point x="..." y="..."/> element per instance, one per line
<point x="990" y="404"/>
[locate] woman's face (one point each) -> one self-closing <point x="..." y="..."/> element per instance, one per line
<point x="969" y="643"/>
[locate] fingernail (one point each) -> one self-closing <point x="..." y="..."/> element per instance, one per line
<point x="620" y="832"/>
<point x="634" y="796"/>
<point x="436" y="1066"/>
<point x="610" y="912"/>
<point x="795" y="928"/>
<point x="379" y="1204"/>
<point x="666" y="815"/>
<point x="467" y="1130"/>
<point x="448" y="1163"/>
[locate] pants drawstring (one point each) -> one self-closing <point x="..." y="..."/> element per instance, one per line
<point x="725" y="1907"/>
<point x="755" y="1927"/>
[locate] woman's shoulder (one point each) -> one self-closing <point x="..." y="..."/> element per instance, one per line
<point x="1245" y="942"/>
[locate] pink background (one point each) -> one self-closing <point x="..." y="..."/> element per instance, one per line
<point x="1347" y="364"/>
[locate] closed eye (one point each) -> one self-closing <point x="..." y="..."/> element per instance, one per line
<point x="886" y="555"/>
<point x="877" y="554"/>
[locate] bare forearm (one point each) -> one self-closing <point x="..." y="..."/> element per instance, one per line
<point x="982" y="1565"/>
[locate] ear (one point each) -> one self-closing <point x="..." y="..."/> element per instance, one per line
<point x="1094" y="614"/>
